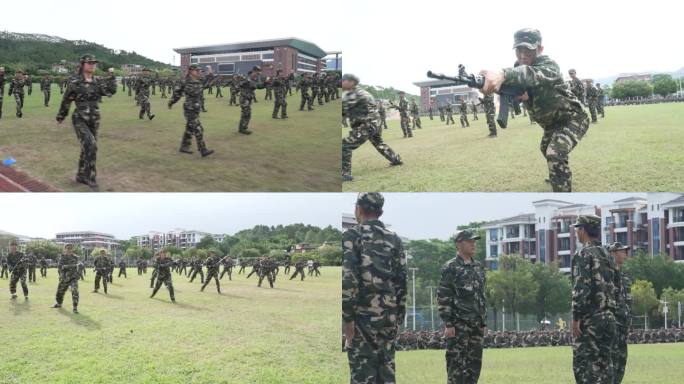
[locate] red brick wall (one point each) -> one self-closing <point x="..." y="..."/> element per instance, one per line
<point x="282" y="58"/>
<point x="184" y="62"/>
<point x="425" y="97"/>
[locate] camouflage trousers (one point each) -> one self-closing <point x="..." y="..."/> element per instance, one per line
<point x="464" y="354"/>
<point x="599" y="109"/>
<point x="592" y="111"/>
<point x="450" y="117"/>
<point x="4" y="272"/>
<point x="193" y="127"/>
<point x="153" y="277"/>
<point x="19" y="99"/>
<point x="441" y="116"/>
<point x="18" y="276"/>
<point x="306" y="100"/>
<point x="320" y="97"/>
<point x="245" y="114"/>
<point x="280" y="103"/>
<point x="212" y="274"/>
<point x="592" y="352"/>
<point x="556" y="145"/>
<point x="86" y="128"/>
<point x="382" y="122"/>
<point x="32" y="273"/>
<point x="405" y="128"/>
<point x="490" y="123"/>
<point x="358" y="136"/>
<point x="269" y="94"/>
<point x="269" y="275"/>
<point x="194" y="273"/>
<point x="416" y="122"/>
<point x="46" y="98"/>
<point x="475" y="116"/>
<point x="144" y="106"/>
<point x="464" y="120"/>
<point x="227" y="270"/>
<point x="620" y="353"/>
<point x="219" y="93"/>
<point x="233" y="98"/>
<point x="371" y="355"/>
<point x="166" y="280"/>
<point x="298" y="271"/>
<point x="64" y="284"/>
<point x="101" y="275"/>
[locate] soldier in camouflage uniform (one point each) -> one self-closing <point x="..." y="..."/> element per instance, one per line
<point x="247" y="87"/>
<point x="192" y="88"/>
<point x="463" y="108"/>
<point x="227" y="267"/>
<point x="213" y="264"/>
<point x="196" y="266"/>
<point x="304" y="86"/>
<point x="440" y="109"/>
<point x="29" y="84"/>
<point x="592" y="100"/>
<point x="549" y="101"/>
<point x="43" y="267"/>
<point x="31" y="265"/>
<point x="299" y="269"/>
<point x="595" y="282"/>
<point x="234" y="89"/>
<point x="219" y="85"/>
<point x="4" y="268"/>
<point x="142" y="90"/>
<point x="2" y="88"/>
<point x="490" y="110"/>
<point x="16" y="88"/>
<point x="373" y="293"/>
<point x="474" y="111"/>
<point x="17" y="262"/>
<point x="415" y="115"/>
<point x="86" y="91"/>
<point x="462" y="307"/>
<point x="163" y="266"/>
<point x="382" y="115"/>
<point x="359" y="106"/>
<point x="623" y="315"/>
<point x="67" y="267"/>
<point x="80" y="268"/>
<point x="278" y="84"/>
<point x="430" y="111"/>
<point x="449" y="114"/>
<point x="403" y="114"/>
<point x="45" y="85"/>
<point x="267" y="269"/>
<point x="576" y="86"/>
<point x="599" y="100"/>
<point x="101" y="264"/>
<point x="268" y="85"/>
<point x="122" y="269"/>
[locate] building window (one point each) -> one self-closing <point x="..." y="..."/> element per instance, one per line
<point x="206" y="59"/>
<point x="542" y="245"/>
<point x="226" y="68"/>
<point x="251" y="57"/>
<point x="267" y="56"/>
<point x="493" y="251"/>
<point x="655" y="224"/>
<point x="494" y="234"/>
<point x="194" y="60"/>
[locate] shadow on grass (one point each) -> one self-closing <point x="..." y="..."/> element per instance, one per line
<point x="80" y="319"/>
<point x="115" y="297"/>
<point x="20" y="306"/>
<point x="192" y="307"/>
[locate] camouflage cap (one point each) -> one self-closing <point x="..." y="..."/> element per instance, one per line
<point x="18" y="71"/>
<point x="588" y="221"/>
<point x="466" y="234"/>
<point x="192" y="67"/>
<point x="528" y="38"/>
<point x="88" y="58"/>
<point x="256" y="68"/>
<point x="617" y="246"/>
<point x="350" y="77"/>
<point x="370" y="200"/>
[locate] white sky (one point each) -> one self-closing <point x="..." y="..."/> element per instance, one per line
<point x="436" y="215"/>
<point x="401" y="41"/>
<point x="127" y="214"/>
<point x="154" y="28"/>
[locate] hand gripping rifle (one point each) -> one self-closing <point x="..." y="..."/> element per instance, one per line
<point x="509" y="95"/>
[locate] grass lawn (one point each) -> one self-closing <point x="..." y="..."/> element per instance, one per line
<point x="289" y="334"/>
<point x="635" y="148"/>
<point x="650" y="363"/>
<point x="298" y="154"/>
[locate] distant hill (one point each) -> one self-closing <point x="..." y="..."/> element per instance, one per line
<point x="36" y="53"/>
<point x="610" y="79"/>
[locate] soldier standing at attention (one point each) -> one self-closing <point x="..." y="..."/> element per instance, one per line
<point x="163" y="267"/>
<point x="373" y="293"/>
<point x="86" y="91"/>
<point x="623" y="315"/>
<point x="67" y="268"/>
<point x="101" y="264"/>
<point x="32" y="263"/>
<point x="122" y="269"/>
<point x="43" y="267"/>
<point x="462" y="307"/>
<point x="17" y="88"/>
<point x="359" y="106"/>
<point x="213" y="263"/>
<point x="192" y="88"/>
<point x="548" y="100"/>
<point x="595" y="283"/>
<point x="592" y="100"/>
<point x="45" y="85"/>
<point x="278" y="85"/>
<point x="17" y="262"/>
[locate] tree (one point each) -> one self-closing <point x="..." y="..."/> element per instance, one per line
<point x="672" y="297"/>
<point x="207" y="242"/>
<point x="555" y="291"/>
<point x="44" y="248"/>
<point x="515" y="284"/>
<point x="330" y="255"/>
<point x="644" y="299"/>
<point x="660" y="270"/>
<point x="664" y="85"/>
<point x="631" y="88"/>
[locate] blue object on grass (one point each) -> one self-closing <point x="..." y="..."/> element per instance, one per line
<point x="8" y="161"/>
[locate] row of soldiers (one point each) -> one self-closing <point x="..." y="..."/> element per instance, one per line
<point x="409" y="340"/>
<point x="646" y="100"/>
<point x="30" y="264"/>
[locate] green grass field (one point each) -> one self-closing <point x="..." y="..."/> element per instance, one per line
<point x="298" y="154"/>
<point x="635" y="148"/>
<point x="653" y="363"/>
<point x="289" y="334"/>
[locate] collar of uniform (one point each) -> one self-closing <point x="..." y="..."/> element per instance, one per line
<point x="374" y="222"/>
<point x="461" y="261"/>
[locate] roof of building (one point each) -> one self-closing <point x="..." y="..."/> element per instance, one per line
<point x="630" y="199"/>
<point x="551" y="201"/>
<point x="677" y="201"/>
<point x="521" y="218"/>
<point x="302" y="45"/>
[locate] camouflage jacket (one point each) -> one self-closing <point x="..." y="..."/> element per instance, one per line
<point x="304" y="85"/>
<point x="460" y="295"/>
<point x="2" y="84"/>
<point x="247" y="88"/>
<point x="359" y="107"/>
<point x="17" y="261"/>
<point x="550" y="102"/>
<point x="448" y="109"/>
<point x="102" y="263"/>
<point x="373" y="273"/>
<point x="577" y="88"/>
<point x="163" y="268"/>
<point x="68" y="266"/>
<point x="595" y="281"/>
<point x="31" y="260"/>
<point x="17" y="86"/>
<point x="192" y="90"/>
<point x="86" y="95"/>
<point x="280" y="86"/>
<point x="212" y="263"/>
<point x="623" y="315"/>
<point x="403" y="107"/>
<point x="43" y="262"/>
<point x="142" y="86"/>
<point x="45" y="84"/>
<point x="488" y="104"/>
<point x="414" y="109"/>
<point x="592" y="94"/>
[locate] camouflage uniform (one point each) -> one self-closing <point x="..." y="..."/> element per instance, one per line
<point x="213" y="263"/>
<point x="415" y="114"/>
<point x="43" y="267"/>
<point x="440" y="109"/>
<point x="86" y="118"/>
<point x="553" y="106"/>
<point x="68" y="278"/>
<point x="197" y="268"/>
<point x="599" y="101"/>
<point x="234" y="90"/>
<point x="2" y="88"/>
<point x="17" y="88"/>
<point x="382" y="116"/>
<point x="280" y="96"/>
<point x="31" y="264"/>
<point x="267" y="269"/>
<point x="463" y="108"/>
<point x="430" y="112"/>
<point x="192" y="90"/>
<point x="592" y="101"/>
<point x="304" y="85"/>
<point x="29" y="84"/>
<point x="299" y="269"/>
<point x="461" y="301"/>
<point x="163" y="267"/>
<point x="227" y="267"/>
<point x="475" y="112"/>
<point x="490" y="110"/>
<point x="4" y="268"/>
<point x="373" y="295"/>
<point x="594" y="278"/>
<point x="359" y="106"/>
<point x="577" y="89"/>
<point x="17" y="263"/>
<point x="122" y="269"/>
<point x="101" y="264"/>
<point x="623" y="320"/>
<point x="142" y="90"/>
<point x="268" y="85"/>
<point x="404" y="117"/>
<point x="247" y="87"/>
<point x="45" y="85"/>
<point x="449" y="114"/>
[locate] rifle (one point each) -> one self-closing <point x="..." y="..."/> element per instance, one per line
<point x="509" y="95"/>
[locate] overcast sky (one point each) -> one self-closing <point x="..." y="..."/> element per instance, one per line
<point x="598" y="38"/>
<point x="436" y="215"/>
<point x="127" y="214"/>
<point x="154" y="28"/>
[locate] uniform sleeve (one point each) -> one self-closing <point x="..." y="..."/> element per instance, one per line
<point x="177" y="93"/>
<point x="581" y="285"/>
<point x="108" y="86"/>
<point x="350" y="278"/>
<point x="400" y="281"/>
<point x="445" y="296"/>
<point x="526" y="76"/>
<point x="69" y="96"/>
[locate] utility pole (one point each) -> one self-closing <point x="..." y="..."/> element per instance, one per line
<point x="413" y="273"/>
<point x="432" y="312"/>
